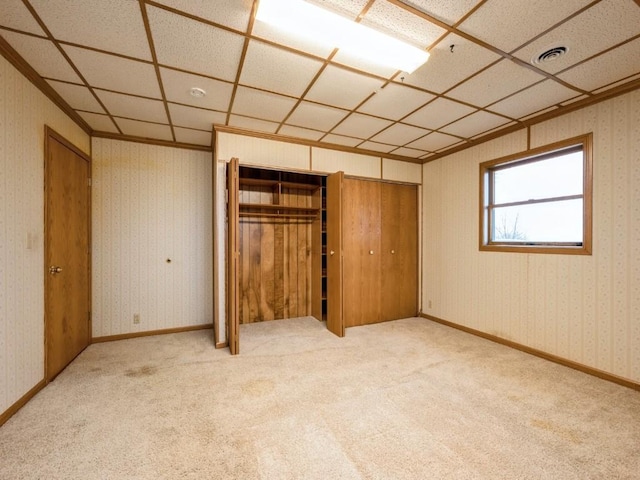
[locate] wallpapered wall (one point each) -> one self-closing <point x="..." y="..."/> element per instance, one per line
<point x="24" y="111"/>
<point x="582" y="308"/>
<point x="150" y="204"/>
<point x="288" y="156"/>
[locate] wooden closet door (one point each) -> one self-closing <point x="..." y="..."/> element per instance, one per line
<point x="399" y="211"/>
<point x="335" y="266"/>
<point x="233" y="256"/>
<point x="361" y="249"/>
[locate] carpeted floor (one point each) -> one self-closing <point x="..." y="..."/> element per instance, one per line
<point x="408" y="399"/>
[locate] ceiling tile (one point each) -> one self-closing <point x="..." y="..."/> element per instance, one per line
<point x="346" y="8"/>
<point x="342" y="88"/>
<point x="115" y="26"/>
<point x="232" y="13"/>
<point x="598" y="28"/>
<point x="78" y="97"/>
<point x="271" y="68"/>
<point x="99" y="123"/>
<point x="399" y="134"/>
<point x="401" y="24"/>
<point x="377" y="147"/>
<point x="133" y="107"/>
<point x="607" y="68"/>
<point x="178" y="84"/>
<point x="195" y="46"/>
<point x="617" y="84"/>
<point x="144" y="130"/>
<point x="395" y="101"/>
<point x="445" y="69"/>
<point x="361" y="126"/>
<point x="195" y="117"/>
<point x="533" y="99"/>
<point x="14" y="14"/>
<point x="111" y="72"/>
<point x="268" y="106"/>
<point x="316" y="116"/>
<point x="495" y="83"/>
<point x="409" y="152"/>
<point x="495" y="21"/>
<point x="43" y="56"/>
<point x="444" y="10"/>
<point x="253" y="124"/>
<point x="474" y="124"/>
<point x="342" y="140"/>
<point x="434" y="141"/>
<point x="438" y="113"/>
<point x="493" y="130"/>
<point x="195" y="137"/>
<point x="298" y="132"/>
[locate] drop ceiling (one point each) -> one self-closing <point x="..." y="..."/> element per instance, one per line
<point x="125" y="68"/>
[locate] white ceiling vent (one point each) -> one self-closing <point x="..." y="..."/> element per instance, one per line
<point x="549" y="55"/>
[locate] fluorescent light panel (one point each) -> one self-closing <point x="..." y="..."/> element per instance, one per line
<point x="310" y="21"/>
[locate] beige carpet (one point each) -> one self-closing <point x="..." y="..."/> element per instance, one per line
<point x="408" y="399"/>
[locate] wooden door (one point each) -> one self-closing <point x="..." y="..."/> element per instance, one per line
<point x="233" y="257"/>
<point x="67" y="253"/>
<point x="361" y="252"/>
<point x="399" y="212"/>
<point x="335" y="319"/>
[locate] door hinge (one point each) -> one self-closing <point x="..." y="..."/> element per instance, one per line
<point x="88" y="182"/>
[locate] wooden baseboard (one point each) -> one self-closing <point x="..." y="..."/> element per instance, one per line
<point x="8" y="413"/>
<point x="124" y="336"/>
<point x="539" y="353"/>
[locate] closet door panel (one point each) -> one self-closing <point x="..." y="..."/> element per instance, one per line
<point x="361" y="249"/>
<point x="399" y="251"/>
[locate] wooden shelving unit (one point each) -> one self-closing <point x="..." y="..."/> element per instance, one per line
<point x="276" y="208"/>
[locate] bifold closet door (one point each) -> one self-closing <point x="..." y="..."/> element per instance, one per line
<point x="361" y="242"/>
<point x="233" y="256"/>
<point x="399" y="255"/>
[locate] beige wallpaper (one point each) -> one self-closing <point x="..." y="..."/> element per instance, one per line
<point x="24" y="111"/>
<point x="151" y="204"/>
<point x="582" y="308"/>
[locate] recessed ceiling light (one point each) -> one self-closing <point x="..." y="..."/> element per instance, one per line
<point x="197" y="92"/>
<point x="549" y="55"/>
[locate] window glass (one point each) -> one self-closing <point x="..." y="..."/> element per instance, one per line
<point x="553" y="177"/>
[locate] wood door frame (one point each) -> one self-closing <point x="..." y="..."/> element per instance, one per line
<point x="51" y="135"/>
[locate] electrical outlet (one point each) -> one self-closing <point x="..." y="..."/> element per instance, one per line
<point x="136" y="318"/>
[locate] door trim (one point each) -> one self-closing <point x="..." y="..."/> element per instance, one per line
<point x="51" y="135"/>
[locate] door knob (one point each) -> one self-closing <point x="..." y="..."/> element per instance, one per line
<point x="393" y="252"/>
<point x="53" y="269"/>
<point x="370" y="252"/>
<point x="331" y="252"/>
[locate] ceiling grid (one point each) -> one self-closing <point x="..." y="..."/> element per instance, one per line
<point x="125" y="69"/>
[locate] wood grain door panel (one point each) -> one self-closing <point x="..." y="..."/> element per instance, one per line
<point x="67" y="254"/>
<point x="335" y="319"/>
<point x="233" y="256"/>
<point x="399" y="251"/>
<point x="361" y="251"/>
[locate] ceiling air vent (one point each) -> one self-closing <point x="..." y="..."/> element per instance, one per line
<point x="550" y="55"/>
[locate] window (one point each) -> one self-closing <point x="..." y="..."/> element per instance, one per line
<point x="538" y="201"/>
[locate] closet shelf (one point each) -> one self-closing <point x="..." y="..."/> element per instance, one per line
<point x="271" y="210"/>
<point x="259" y="182"/>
